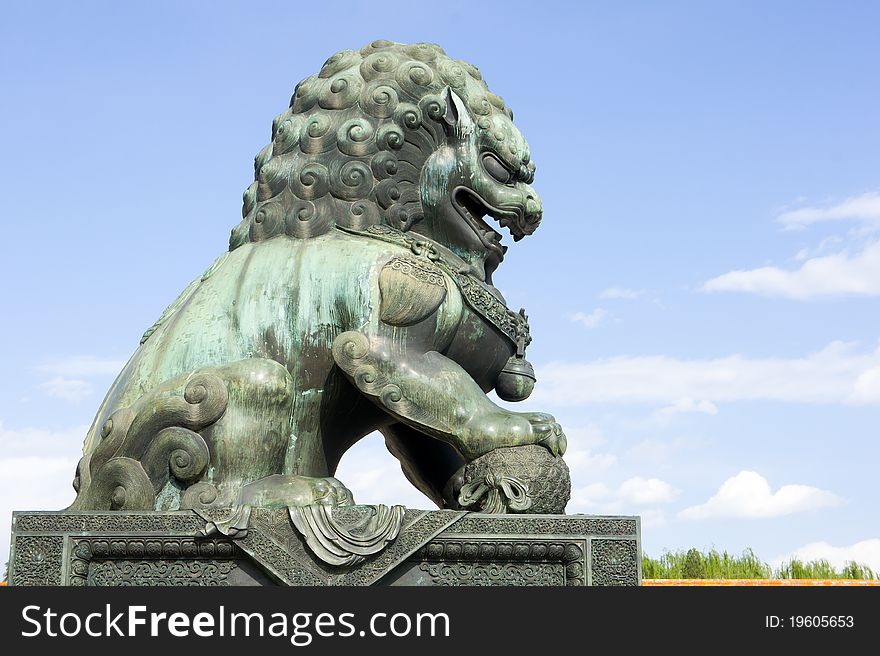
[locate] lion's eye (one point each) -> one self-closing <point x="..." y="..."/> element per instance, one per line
<point x="496" y="169"/>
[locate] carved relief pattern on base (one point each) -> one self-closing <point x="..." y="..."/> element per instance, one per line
<point x="614" y="562"/>
<point x="519" y="574"/>
<point x="159" y="572"/>
<point x="187" y="523"/>
<point x="546" y="525"/>
<point x="38" y="560"/>
<point x="446" y="547"/>
<point x="141" y="561"/>
<point x="565" y="560"/>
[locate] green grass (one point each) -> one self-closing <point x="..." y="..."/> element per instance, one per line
<point x="695" y="564"/>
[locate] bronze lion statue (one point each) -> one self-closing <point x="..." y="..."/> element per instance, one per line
<point x="356" y="296"/>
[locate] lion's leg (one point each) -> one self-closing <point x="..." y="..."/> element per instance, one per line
<point x="216" y="436"/>
<point x="249" y="441"/>
<point x="434" y="395"/>
<point x="250" y="444"/>
<point x="427" y="463"/>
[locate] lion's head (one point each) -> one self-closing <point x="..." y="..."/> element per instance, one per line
<point x="400" y="135"/>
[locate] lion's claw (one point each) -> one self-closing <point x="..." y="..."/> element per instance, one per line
<point x="551" y="435"/>
<point x="556" y="443"/>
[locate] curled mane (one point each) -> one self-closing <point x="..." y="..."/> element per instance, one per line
<point x="350" y="148"/>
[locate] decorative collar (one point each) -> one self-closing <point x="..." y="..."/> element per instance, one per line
<point x="483" y="299"/>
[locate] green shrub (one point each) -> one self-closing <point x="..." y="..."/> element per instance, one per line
<point x="822" y="569"/>
<point x="694" y="564"/>
<point x="693" y="567"/>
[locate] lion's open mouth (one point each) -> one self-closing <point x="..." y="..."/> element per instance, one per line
<point x="473" y="208"/>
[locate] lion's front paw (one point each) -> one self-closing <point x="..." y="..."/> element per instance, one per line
<point x="510" y="429"/>
<point x="548" y="432"/>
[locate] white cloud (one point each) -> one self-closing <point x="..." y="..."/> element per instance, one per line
<point x="867" y="387"/>
<point x="687" y="405"/>
<point x="584" y="464"/>
<point x="645" y="492"/>
<point x="864" y="209"/>
<point x="586" y="497"/>
<point x="83" y="366"/>
<point x="374" y="476"/>
<point x="36" y="469"/>
<point x="621" y="293"/>
<point x="748" y="496"/>
<point x="838" y="274"/>
<point x="627" y="497"/>
<point x="866" y="552"/>
<point x="839" y="373"/>
<point x="590" y="320"/>
<point x="584" y="436"/>
<point x="69" y="389"/>
<point x="68" y="373"/>
<point x="659" y="452"/>
<point x="582" y="460"/>
<point x="653" y="518"/>
<point x="41" y="441"/>
<point x="36" y="483"/>
<point x="821" y="274"/>
<point x="824" y="247"/>
<point x="33" y="483"/>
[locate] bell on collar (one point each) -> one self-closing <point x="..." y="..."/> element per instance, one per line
<point x="517" y="380"/>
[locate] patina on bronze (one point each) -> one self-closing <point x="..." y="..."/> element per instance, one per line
<point x="356" y="296"/>
<point x="434" y="548"/>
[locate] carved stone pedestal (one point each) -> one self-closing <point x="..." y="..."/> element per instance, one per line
<point x="440" y="547"/>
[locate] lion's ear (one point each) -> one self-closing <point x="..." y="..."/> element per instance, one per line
<point x="457" y="119"/>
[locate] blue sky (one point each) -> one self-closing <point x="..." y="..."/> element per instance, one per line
<point x="702" y="291"/>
